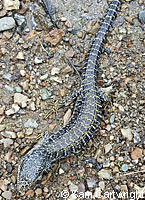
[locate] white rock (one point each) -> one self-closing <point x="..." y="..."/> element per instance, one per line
<point x="25" y="85"/>
<point x="121" y="108"/>
<point x="111" y="137"/>
<point x="120" y="158"/>
<point x="29" y="131"/>
<point x="126" y="132"/>
<point x="102" y="185"/>
<point x="20" y="99"/>
<point x="1" y="119"/>
<point x="30" y="123"/>
<point x="107" y="89"/>
<point x="20" y="56"/>
<point x="61" y="171"/>
<point x="63" y="19"/>
<point x="32" y="106"/>
<point x="56" y="79"/>
<point x="15" y="108"/>
<point x="66" y="117"/>
<point x="38" y="60"/>
<point x="43" y="77"/>
<point x="11" y="134"/>
<point x="108" y="127"/>
<point x="6" y="142"/>
<point x="22" y="72"/>
<point x="104" y="173"/>
<point x="108" y="147"/>
<point x="55" y="70"/>
<point x="11" y="4"/>
<point x="6" y="23"/>
<point x="106" y="163"/>
<point x="2" y="127"/>
<point x="73" y="187"/>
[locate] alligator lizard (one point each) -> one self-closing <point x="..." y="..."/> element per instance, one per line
<point x="83" y="124"/>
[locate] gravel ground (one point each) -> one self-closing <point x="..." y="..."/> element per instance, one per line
<point x="34" y="73"/>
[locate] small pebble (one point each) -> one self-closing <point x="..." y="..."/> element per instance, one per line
<point x="2" y="127"/>
<point x="63" y="19"/>
<point x="30" y="123"/>
<point x="20" y="19"/>
<point x="29" y="193"/>
<point x="32" y="106"/>
<point x="22" y="72"/>
<point x="7" y="23"/>
<point x="24" y="85"/>
<point x="108" y="127"/>
<point x="127" y="133"/>
<point x="7" y="76"/>
<point x="38" y="60"/>
<point x="20" y="56"/>
<point x="46" y="189"/>
<point x="137" y="138"/>
<point x="11" y="4"/>
<point x="112" y="118"/>
<point x="56" y="79"/>
<point x="73" y="187"/>
<point x="141" y="16"/>
<point x="102" y="185"/>
<point x="1" y="110"/>
<point x="81" y="188"/>
<point x="124" y="167"/>
<point x="91" y="183"/>
<point x="29" y="131"/>
<point x="15" y="108"/>
<point x="108" y="147"/>
<point x="7" y="195"/>
<point x="9" y="88"/>
<point x="18" y="89"/>
<point x="9" y="167"/>
<point x="20" y="134"/>
<point x="55" y="70"/>
<point x="10" y="134"/>
<point x="43" y="77"/>
<point x="7" y="142"/>
<point x="121" y="108"/>
<point x="122" y="30"/>
<point x="105" y="174"/>
<point x="38" y="191"/>
<point x="45" y="94"/>
<point x="136" y="154"/>
<point x="80" y="34"/>
<point x="129" y="19"/>
<point x="52" y="126"/>
<point x="61" y="171"/>
<point x="67" y="116"/>
<point x="20" y="99"/>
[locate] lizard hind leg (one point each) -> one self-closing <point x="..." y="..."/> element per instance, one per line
<point x="104" y="94"/>
<point x="63" y="102"/>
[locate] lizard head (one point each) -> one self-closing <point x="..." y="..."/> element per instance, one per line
<point x="31" y="168"/>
